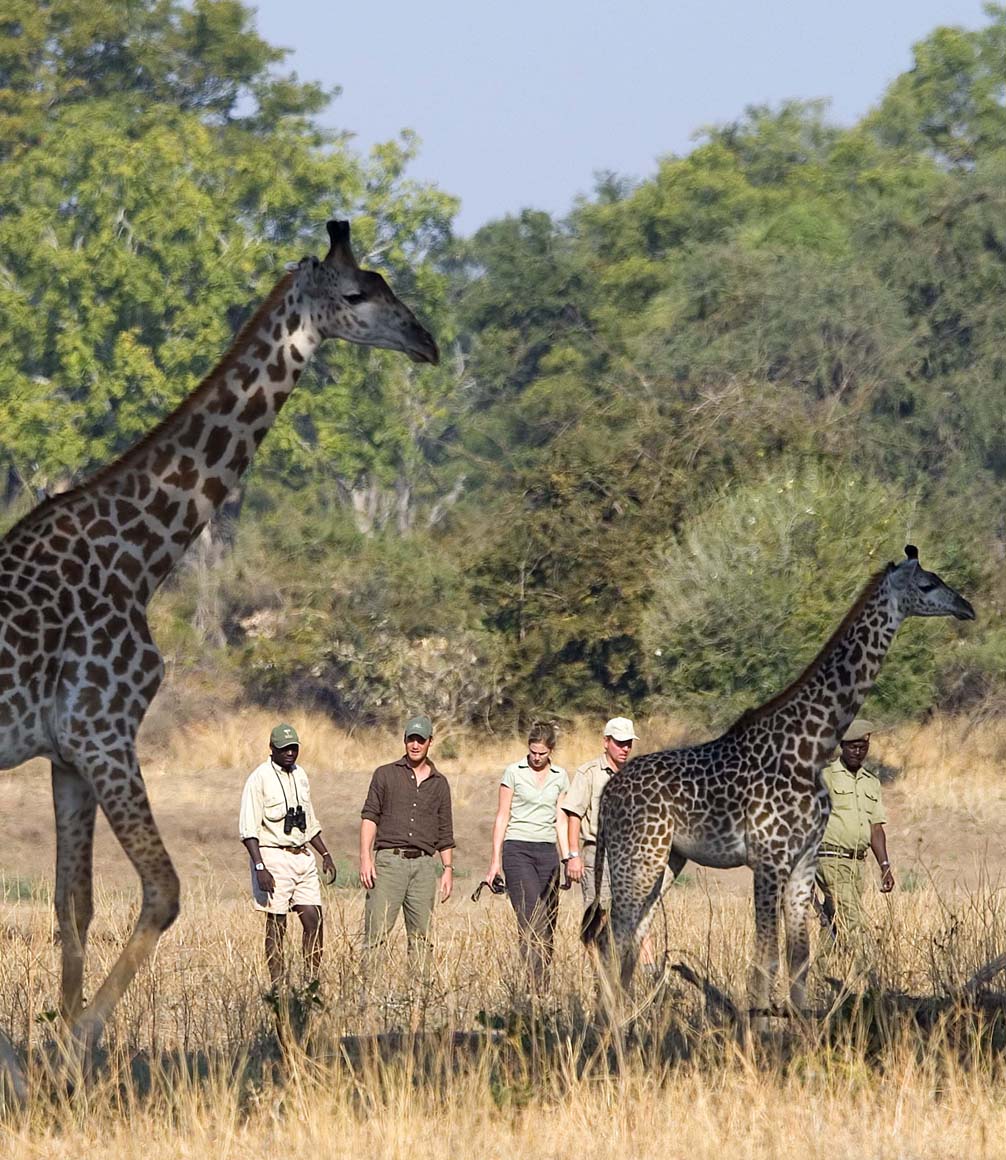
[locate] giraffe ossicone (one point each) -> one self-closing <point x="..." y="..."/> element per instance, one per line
<point x="754" y="796"/>
<point x="79" y="665"/>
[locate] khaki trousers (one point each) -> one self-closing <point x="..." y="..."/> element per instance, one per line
<point x="587" y="882"/>
<point x="401" y="884"/>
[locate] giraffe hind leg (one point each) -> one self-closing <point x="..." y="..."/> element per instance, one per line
<point x="796" y="911"/>
<point x="122" y="796"/>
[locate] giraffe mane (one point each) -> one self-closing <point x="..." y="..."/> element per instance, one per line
<point x="195" y="396"/>
<point x="751" y="715"/>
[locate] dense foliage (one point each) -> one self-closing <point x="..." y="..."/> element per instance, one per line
<point x="672" y="436"/>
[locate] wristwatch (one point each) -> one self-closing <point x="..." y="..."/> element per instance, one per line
<point x="572" y="854"/>
<point x="259" y="865"/>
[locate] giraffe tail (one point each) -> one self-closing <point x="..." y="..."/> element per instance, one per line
<point x="594" y="927"/>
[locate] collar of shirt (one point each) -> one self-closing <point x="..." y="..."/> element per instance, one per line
<point x="403" y="762"/>
<point x="854" y="772"/>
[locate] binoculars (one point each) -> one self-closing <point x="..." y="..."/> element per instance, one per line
<point x="295" y="819"/>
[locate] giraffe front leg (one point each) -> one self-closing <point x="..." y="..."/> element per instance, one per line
<point x="796" y="909"/>
<point x="767" y="890"/>
<point x="75" y="806"/>
<point x="123" y="798"/>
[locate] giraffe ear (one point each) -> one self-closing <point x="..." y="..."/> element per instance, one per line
<point x="911" y="551"/>
<point x="338" y="233"/>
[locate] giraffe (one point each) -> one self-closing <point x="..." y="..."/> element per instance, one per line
<point x="754" y="796"/>
<point x="78" y="665"/>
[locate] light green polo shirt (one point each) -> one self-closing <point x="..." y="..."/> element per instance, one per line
<point x="856" y="805"/>
<point x="532" y="811"/>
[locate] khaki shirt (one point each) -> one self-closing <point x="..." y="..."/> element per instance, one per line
<point x="585" y="793"/>
<point x="856" y="805"/>
<point x="263" y="806"/>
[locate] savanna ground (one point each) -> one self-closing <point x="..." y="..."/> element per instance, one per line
<point x="193" y="1065"/>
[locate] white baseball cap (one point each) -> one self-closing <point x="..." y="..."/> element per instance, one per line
<point x="620" y="729"/>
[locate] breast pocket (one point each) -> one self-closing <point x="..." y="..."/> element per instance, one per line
<point x="274" y="809"/>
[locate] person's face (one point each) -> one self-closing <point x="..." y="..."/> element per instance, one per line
<point x="854" y="752"/>
<point x="416" y="748"/>
<point x="285" y="758"/>
<point x="617" y="752"/>
<point x="538" y="755"/>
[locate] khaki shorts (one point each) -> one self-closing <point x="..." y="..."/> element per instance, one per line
<point x="296" y="877"/>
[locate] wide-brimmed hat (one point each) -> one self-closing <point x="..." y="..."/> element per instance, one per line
<point x="620" y="729"/>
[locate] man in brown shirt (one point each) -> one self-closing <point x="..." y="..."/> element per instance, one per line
<point x="406" y="820"/>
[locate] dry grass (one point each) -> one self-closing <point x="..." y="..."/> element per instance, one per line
<point x="193" y="1067"/>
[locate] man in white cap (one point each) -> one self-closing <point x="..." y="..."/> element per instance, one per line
<point x="581" y="806"/>
<point x="856" y="824"/>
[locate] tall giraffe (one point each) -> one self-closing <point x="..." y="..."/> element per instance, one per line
<point x="754" y="797"/>
<point x="78" y="665"/>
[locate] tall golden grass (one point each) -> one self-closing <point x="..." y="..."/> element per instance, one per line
<point x="193" y="1067"/>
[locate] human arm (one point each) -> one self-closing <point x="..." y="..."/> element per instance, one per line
<point x="368" y="834"/>
<point x="574" y="859"/>
<point x="445" y="843"/>
<point x="326" y="858"/>
<point x="447" y="878"/>
<point x="499" y="829"/>
<point x="562" y="827"/>
<point x="265" y="880"/>
<point x="574" y="805"/>
<point x="878" y="844"/>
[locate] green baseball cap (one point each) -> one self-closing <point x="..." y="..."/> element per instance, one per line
<point x="282" y="736"/>
<point x="420" y="726"/>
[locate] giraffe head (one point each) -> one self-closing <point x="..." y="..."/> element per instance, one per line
<point x="922" y="593"/>
<point x="358" y="305"/>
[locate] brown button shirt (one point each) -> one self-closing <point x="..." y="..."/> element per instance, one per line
<point x="407" y="814"/>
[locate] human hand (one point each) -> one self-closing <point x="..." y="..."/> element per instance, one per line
<point x="367" y="873"/>
<point x="446" y="883"/>
<point x="266" y="882"/>
<point x="574" y="868"/>
<point x="328" y="867"/>
<point x="494" y="869"/>
<point x="887" y="880"/>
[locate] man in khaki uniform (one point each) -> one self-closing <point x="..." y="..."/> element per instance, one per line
<point x="582" y="802"/>
<point x="856" y="824"/>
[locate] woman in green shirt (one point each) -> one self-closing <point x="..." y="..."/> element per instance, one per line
<point x="528" y="841"/>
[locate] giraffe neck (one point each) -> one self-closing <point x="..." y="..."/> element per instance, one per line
<point x="818" y="707"/>
<point x="161" y="493"/>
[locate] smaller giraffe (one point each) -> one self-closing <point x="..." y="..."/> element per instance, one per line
<point x="754" y="796"/>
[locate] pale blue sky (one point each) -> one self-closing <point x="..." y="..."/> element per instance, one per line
<point x="520" y="103"/>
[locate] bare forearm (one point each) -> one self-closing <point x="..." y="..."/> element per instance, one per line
<point x="368" y="835"/>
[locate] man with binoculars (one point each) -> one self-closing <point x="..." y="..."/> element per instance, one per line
<point x="278" y="827"/>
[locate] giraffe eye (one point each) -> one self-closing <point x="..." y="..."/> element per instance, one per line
<point x="355" y="299"/>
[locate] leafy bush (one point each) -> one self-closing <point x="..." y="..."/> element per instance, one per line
<point x="754" y="585"/>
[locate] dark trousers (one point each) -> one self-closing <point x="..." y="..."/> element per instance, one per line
<point x="531" y="870"/>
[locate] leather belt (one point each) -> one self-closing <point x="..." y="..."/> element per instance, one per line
<point x="836" y="852"/>
<point x="405" y="852"/>
<point x="289" y="849"/>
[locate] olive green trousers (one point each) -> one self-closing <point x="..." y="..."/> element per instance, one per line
<point x="842" y="880"/>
